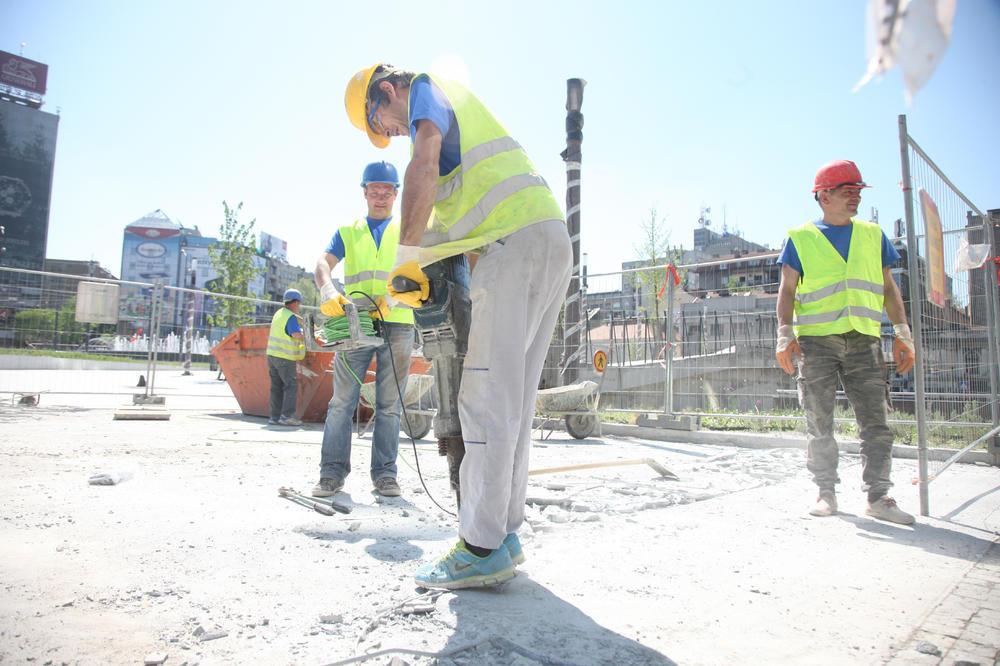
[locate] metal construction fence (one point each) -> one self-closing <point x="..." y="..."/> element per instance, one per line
<point x="699" y="338"/>
<point x="952" y="307"/>
<point x="53" y="325"/>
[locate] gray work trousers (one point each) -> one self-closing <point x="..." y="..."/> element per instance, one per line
<point x="856" y="361"/>
<point x="284" y="386"/>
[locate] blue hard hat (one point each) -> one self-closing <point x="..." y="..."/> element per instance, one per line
<point x="292" y="295"/>
<point x="380" y="172"/>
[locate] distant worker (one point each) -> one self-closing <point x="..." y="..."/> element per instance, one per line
<point x="285" y="348"/>
<point x="368" y="249"/>
<point x="469" y="187"/>
<point x="835" y="277"/>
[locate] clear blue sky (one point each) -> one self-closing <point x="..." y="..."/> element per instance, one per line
<point x="179" y="105"/>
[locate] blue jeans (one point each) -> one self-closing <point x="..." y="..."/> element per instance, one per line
<point x="348" y="367"/>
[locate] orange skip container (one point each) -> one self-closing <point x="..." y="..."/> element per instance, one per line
<point x="242" y="356"/>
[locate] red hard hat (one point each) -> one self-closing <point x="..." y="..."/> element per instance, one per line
<point x="837" y="173"/>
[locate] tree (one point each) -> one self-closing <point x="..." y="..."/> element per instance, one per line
<point x="33" y="326"/>
<point x="306" y="287"/>
<point x="232" y="258"/>
<point x="653" y="250"/>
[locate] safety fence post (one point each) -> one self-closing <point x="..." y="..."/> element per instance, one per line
<point x="991" y="275"/>
<point x="916" y="315"/>
<point x="668" y="350"/>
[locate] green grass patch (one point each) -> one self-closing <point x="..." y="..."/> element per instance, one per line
<point x="93" y="356"/>
<point x="958" y="433"/>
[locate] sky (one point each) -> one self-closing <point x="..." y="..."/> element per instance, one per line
<point x="731" y="105"/>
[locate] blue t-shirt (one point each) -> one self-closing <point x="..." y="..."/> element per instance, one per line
<point x="292" y="326"/>
<point x="840" y="238"/>
<point x="376" y="227"/>
<point x="427" y="102"/>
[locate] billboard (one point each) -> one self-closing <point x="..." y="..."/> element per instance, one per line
<point x="274" y="247"/>
<point x="19" y="72"/>
<point x="150" y="252"/>
<point x="27" y="155"/>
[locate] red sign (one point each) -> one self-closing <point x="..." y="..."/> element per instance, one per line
<point x="935" y="250"/>
<point x="18" y="72"/>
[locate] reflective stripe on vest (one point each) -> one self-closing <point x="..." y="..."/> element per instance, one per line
<point x="849" y="311"/>
<point x="473" y="157"/>
<point x="281" y="344"/>
<point x="492" y="193"/>
<point x="361" y="276"/>
<point x="875" y="288"/>
<point x="837" y="296"/>
<point x="367" y="268"/>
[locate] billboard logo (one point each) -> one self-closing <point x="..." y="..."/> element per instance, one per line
<point x="15" y="197"/>
<point x="19" y="72"/>
<point x="150" y="250"/>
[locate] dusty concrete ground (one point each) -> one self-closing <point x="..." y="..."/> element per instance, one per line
<point x="194" y="556"/>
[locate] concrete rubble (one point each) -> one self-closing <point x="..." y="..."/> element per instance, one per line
<point x="197" y="560"/>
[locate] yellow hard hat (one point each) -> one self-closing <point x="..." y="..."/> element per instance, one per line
<point x="356" y="102"/>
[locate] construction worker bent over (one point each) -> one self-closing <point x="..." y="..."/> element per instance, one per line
<point x="485" y="197"/>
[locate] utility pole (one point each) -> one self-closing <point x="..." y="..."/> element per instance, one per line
<point x="572" y="321"/>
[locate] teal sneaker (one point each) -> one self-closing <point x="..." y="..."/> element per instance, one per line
<point x="460" y="568"/>
<point x="513" y="545"/>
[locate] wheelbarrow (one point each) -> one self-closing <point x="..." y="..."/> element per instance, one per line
<point x="575" y="403"/>
<point x="417" y="401"/>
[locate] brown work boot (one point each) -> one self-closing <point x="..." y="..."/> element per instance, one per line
<point x="327" y="487"/>
<point x="826" y="504"/>
<point x="387" y="487"/>
<point x="884" y="508"/>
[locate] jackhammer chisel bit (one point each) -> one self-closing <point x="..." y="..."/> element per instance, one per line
<point x="443" y="324"/>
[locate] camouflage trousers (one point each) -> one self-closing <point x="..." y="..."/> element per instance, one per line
<point x="856" y="361"/>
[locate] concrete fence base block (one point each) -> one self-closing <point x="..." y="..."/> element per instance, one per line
<point x="142" y="413"/>
<point x="677" y="422"/>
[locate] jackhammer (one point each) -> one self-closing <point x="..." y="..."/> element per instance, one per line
<point x="442" y="323"/>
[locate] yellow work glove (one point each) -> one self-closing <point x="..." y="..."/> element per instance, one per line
<point x="787" y="349"/>
<point x="411" y="271"/>
<point x="902" y="348"/>
<point x="334" y="307"/>
<point x="380" y="310"/>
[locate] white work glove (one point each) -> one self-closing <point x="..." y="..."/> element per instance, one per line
<point x="904" y="335"/>
<point x="407" y="255"/>
<point x="903" y="352"/>
<point x="331" y="301"/>
<point x="327" y="292"/>
<point x="786" y="336"/>
<point x="787" y="348"/>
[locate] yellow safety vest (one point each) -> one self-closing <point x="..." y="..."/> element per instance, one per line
<point x="837" y="296"/>
<point x="492" y="193"/>
<point x="367" y="267"/>
<point x="281" y="344"/>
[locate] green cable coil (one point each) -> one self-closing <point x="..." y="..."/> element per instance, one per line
<point x="337" y="328"/>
